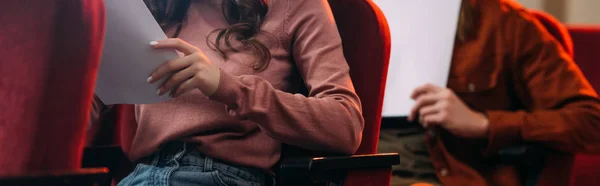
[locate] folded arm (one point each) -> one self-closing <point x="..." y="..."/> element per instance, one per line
<point x="329" y="118"/>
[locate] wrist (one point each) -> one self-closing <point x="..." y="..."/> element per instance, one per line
<point x="214" y="82"/>
<point x="484" y="125"/>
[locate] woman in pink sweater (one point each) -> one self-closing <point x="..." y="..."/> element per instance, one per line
<point x="254" y="74"/>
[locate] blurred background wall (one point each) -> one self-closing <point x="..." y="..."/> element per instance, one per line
<point x="576" y="12"/>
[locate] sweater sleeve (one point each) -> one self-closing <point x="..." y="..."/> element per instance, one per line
<point x="330" y="117"/>
<point x="563" y="109"/>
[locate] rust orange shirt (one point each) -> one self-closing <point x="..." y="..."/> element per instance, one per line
<point x="513" y="70"/>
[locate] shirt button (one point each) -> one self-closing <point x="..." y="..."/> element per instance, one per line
<point x="444" y="172"/>
<point x="471" y="87"/>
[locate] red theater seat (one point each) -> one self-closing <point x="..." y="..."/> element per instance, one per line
<point x="587" y="55"/>
<point x="49" y="55"/>
<point x="366" y="41"/>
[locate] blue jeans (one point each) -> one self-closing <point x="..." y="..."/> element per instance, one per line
<point x="180" y="164"/>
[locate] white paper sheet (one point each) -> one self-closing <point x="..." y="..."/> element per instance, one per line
<point x="423" y="33"/>
<point x="127" y="58"/>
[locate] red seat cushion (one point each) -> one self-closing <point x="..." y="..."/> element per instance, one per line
<point x="49" y="56"/>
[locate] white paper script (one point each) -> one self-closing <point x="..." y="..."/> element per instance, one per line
<point x="127" y="58"/>
<point x="423" y="33"/>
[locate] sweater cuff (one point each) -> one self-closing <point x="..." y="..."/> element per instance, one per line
<point x="504" y="131"/>
<point x="227" y="91"/>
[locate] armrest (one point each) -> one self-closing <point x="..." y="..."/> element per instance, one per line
<point x="320" y="169"/>
<point x="525" y="155"/>
<point x="529" y="159"/>
<point x="111" y="157"/>
<point x="103" y="156"/>
<point x="88" y="176"/>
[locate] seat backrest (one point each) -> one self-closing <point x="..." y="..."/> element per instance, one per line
<point x="587" y="46"/>
<point x="366" y="40"/>
<point x="367" y="43"/>
<point x="49" y="55"/>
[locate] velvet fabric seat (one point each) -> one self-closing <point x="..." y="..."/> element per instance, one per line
<point x="49" y="55"/>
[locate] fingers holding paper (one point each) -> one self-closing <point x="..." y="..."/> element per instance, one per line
<point x="192" y="71"/>
<point x="428" y="88"/>
<point x="438" y="106"/>
<point x="177" y="44"/>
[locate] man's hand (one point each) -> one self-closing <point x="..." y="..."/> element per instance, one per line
<point x="438" y="106"/>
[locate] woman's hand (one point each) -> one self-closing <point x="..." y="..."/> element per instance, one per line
<point x="437" y="106"/>
<point x="192" y="71"/>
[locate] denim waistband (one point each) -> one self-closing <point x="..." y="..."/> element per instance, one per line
<point x="184" y="154"/>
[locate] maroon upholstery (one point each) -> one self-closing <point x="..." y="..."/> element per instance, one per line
<point x="49" y="55"/>
<point x="586" y="40"/>
<point x="366" y="40"/>
<point x="587" y="47"/>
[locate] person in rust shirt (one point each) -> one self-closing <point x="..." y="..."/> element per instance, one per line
<point x="510" y="83"/>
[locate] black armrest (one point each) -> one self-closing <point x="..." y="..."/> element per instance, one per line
<point x="103" y="156"/>
<point x="111" y="157"/>
<point x="320" y="169"/>
<point x="529" y="160"/>
<point x="525" y="155"/>
<point x="82" y="177"/>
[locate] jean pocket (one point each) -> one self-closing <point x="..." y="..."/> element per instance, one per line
<point x="139" y="176"/>
<point x="228" y="180"/>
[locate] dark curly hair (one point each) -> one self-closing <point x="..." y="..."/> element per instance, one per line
<point x="244" y="17"/>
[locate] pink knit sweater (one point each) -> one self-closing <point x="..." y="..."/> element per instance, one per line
<point x="253" y="113"/>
